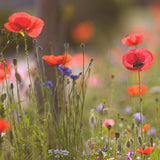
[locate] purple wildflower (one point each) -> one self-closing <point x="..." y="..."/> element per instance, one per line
<point x="100" y="108"/>
<point x="152" y="132"/>
<point x="138" y="117"/>
<point x="129" y="154"/>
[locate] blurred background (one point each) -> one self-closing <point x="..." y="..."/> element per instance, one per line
<point x="100" y="25"/>
<point x="111" y="19"/>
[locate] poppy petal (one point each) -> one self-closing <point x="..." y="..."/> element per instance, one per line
<point x="36" y="27"/>
<point x="139" y="150"/>
<point x="148" y="150"/>
<point x="12" y="27"/>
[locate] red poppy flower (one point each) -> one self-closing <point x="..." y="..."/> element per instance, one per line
<point x="18" y="22"/>
<point x="5" y="70"/>
<point x="77" y="60"/>
<point x="138" y="58"/>
<point x="4" y="126"/>
<point x="133" y="39"/>
<point x="83" y="32"/>
<point x="147" y="150"/>
<point x="134" y="90"/>
<point x="146" y="127"/>
<point x="57" y="60"/>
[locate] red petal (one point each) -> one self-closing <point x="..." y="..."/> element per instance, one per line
<point x="17" y="15"/>
<point x="12" y="27"/>
<point x="36" y="28"/>
<point x="139" y="150"/>
<point x="148" y="150"/>
<point x="51" y="60"/>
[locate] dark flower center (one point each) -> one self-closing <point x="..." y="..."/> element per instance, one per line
<point x="138" y="64"/>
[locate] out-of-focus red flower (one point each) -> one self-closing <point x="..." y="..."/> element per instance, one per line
<point x="4" y="126"/>
<point x="155" y="7"/>
<point x="146" y="127"/>
<point x="5" y="70"/>
<point x="108" y="122"/>
<point x="134" y="90"/>
<point x="138" y="58"/>
<point x="57" y="60"/>
<point x="77" y="60"/>
<point x="94" y="81"/>
<point x="133" y="39"/>
<point x="83" y="32"/>
<point x="147" y="150"/>
<point x="18" y="22"/>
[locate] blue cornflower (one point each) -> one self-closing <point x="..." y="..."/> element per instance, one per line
<point x="50" y="84"/>
<point x="74" y="77"/>
<point x="138" y="117"/>
<point x="65" y="70"/>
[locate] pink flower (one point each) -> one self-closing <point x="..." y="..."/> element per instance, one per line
<point x="108" y="122"/>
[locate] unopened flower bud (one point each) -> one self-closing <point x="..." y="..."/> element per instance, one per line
<point x="140" y="140"/>
<point x="128" y="144"/>
<point x="143" y="147"/>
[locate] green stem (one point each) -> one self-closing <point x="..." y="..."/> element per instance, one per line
<point x="140" y="104"/>
<point x="16" y="67"/>
<point x="27" y="56"/>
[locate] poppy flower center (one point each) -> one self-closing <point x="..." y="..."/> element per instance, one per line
<point x="138" y="64"/>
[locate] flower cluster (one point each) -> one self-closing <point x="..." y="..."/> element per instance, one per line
<point x="64" y="70"/>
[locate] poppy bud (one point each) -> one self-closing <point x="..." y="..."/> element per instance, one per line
<point x="140" y="140"/>
<point x="128" y="144"/>
<point x="151" y="141"/>
<point x="12" y="86"/>
<point x="132" y="126"/>
<point x="14" y="62"/>
<point x="131" y="140"/>
<point x="3" y="32"/>
<point x="143" y="147"/>
<point x="91" y="60"/>
<point x="112" y="76"/>
<point x="156" y="99"/>
<point x="3" y="97"/>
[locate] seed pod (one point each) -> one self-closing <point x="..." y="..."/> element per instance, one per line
<point x="109" y="127"/>
<point x="117" y="134"/>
